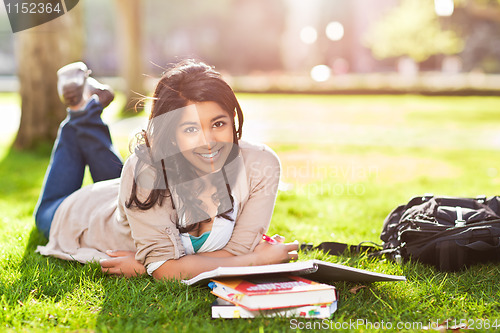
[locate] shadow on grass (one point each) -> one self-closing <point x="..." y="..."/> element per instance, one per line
<point x="22" y="174"/>
<point x="37" y="276"/>
<point x="38" y="293"/>
<point x="32" y="281"/>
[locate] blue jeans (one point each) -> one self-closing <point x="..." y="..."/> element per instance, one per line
<point x="83" y="139"/>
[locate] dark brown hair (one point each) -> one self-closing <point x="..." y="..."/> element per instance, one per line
<point x="187" y="82"/>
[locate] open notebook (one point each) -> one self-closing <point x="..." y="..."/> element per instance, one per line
<point x="312" y="269"/>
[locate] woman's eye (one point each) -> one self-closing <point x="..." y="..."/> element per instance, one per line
<point x="190" y="130"/>
<point x="219" y="124"/>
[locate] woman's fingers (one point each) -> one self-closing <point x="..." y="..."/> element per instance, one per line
<point x="112" y="271"/>
<point x="278" y="238"/>
<point x="111" y="266"/>
<point x="107" y="267"/>
<point x="106" y="263"/>
<point x="124" y="264"/>
<point x="294" y="246"/>
<point x="269" y="253"/>
<point x="293" y="255"/>
<point x="292" y="250"/>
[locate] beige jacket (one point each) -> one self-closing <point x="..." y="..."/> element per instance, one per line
<point x="94" y="219"/>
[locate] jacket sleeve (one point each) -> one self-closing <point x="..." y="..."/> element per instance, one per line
<point x="155" y="234"/>
<point x="263" y="172"/>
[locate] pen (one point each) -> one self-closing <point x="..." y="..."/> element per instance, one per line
<point x="269" y="239"/>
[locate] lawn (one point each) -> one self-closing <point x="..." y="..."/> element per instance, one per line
<point x="347" y="161"/>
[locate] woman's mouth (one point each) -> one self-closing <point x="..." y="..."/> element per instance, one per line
<point x="210" y="155"/>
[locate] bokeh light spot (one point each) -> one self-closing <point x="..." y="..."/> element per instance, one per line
<point x="320" y="73"/>
<point x="308" y="35"/>
<point x="444" y="7"/>
<point x="335" y="31"/>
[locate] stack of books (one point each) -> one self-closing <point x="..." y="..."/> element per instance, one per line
<point x="271" y="296"/>
<point x="250" y="291"/>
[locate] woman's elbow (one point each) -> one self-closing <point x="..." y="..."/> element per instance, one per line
<point x="169" y="270"/>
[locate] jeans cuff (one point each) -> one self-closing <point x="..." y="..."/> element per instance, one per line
<point x="81" y="112"/>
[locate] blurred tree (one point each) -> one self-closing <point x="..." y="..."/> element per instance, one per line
<point x="481" y="9"/>
<point x="189" y="28"/>
<point x="129" y="14"/>
<point x="479" y="22"/>
<point x="251" y="35"/>
<point x="235" y="35"/>
<point x="412" y="29"/>
<point x="40" y="52"/>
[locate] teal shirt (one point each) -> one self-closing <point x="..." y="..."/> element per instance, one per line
<point x="199" y="241"/>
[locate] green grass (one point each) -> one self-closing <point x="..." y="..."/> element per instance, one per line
<point x="338" y="190"/>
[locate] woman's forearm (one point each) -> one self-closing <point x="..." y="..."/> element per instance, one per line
<point x="192" y="265"/>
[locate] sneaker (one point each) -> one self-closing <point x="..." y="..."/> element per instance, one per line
<point x="76" y="87"/>
<point x="104" y="92"/>
<point x="71" y="81"/>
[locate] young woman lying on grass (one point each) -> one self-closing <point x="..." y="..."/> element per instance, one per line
<point x="192" y="196"/>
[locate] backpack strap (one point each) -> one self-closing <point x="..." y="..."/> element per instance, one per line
<point x="335" y="249"/>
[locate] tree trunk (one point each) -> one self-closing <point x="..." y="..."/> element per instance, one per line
<point x="130" y="40"/>
<point x="41" y="51"/>
<point x="484" y="12"/>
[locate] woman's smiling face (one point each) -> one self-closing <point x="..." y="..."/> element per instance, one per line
<point x="204" y="136"/>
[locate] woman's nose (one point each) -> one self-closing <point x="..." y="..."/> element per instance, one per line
<point x="208" y="138"/>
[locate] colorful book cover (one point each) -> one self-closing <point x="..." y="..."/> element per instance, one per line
<point x="276" y="291"/>
<point x="224" y="309"/>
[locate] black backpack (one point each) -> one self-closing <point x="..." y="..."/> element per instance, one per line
<point x="448" y="233"/>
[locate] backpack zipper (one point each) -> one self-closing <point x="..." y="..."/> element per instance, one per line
<point x="459" y="222"/>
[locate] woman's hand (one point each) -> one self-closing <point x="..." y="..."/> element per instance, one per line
<point x="122" y="263"/>
<point x="103" y="91"/>
<point x="276" y="253"/>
